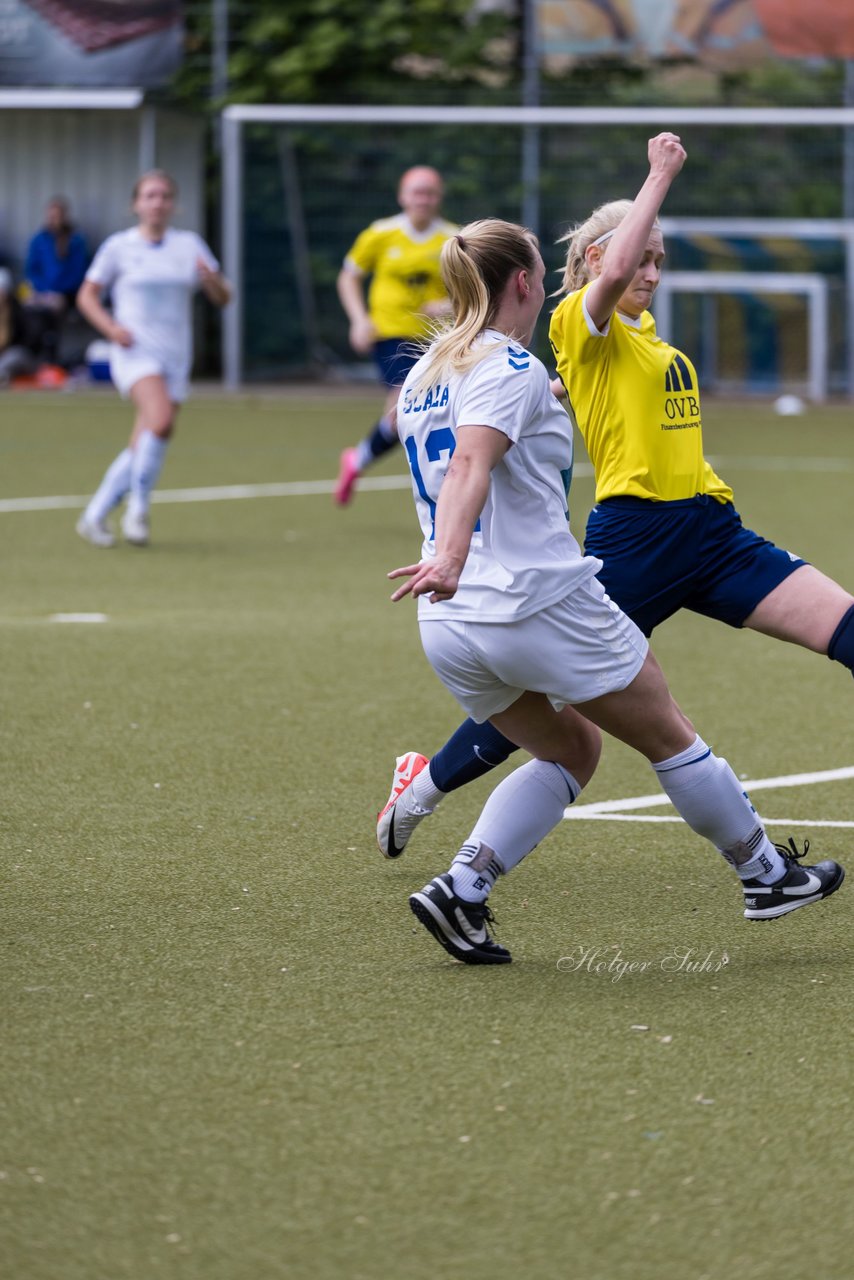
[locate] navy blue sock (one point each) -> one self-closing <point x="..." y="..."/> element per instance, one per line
<point x="379" y="441"/>
<point x="841" y="647"/>
<point x="468" y="754"/>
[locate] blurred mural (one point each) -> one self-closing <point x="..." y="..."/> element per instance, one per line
<point x="723" y="33"/>
<point x="101" y="43"/>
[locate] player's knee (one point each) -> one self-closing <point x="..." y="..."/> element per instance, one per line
<point x="841" y="646"/>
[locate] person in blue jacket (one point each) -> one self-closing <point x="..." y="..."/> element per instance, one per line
<point x="56" y="263"/>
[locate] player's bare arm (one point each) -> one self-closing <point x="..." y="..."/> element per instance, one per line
<point x="213" y="284"/>
<point x="91" y="307"/>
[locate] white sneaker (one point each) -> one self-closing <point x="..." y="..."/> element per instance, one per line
<point x="135" y="529"/>
<point x="97" y="532"/>
<point x="401" y="815"/>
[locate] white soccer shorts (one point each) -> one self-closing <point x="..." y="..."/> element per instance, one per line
<point x="129" y="364"/>
<point x="580" y="648"/>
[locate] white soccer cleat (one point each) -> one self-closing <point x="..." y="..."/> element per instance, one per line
<point x="401" y="815"/>
<point x="97" y="532"/>
<point x="135" y="529"/>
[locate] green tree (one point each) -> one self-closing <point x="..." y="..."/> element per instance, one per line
<point x="351" y="51"/>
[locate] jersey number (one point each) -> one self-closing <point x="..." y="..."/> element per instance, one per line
<point x="437" y="442"/>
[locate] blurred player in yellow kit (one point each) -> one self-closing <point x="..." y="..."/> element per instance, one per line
<point x="400" y="255"/>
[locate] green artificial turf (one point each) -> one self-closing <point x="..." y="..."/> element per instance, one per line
<point x="229" y="1052"/>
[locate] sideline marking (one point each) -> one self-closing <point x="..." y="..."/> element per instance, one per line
<point x="215" y="493"/>
<point x="78" y="617"/>
<point x="615" y="810"/>
<point x="376" y="484"/>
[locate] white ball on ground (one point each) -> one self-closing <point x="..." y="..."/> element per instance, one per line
<point x="788" y="406"/>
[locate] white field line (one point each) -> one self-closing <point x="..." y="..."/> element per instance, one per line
<point x="660" y="817"/>
<point x="376" y="484"/>
<point x="616" y="810"/>
<point x="216" y="493"/>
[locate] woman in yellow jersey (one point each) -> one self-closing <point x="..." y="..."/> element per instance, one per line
<point x="401" y="257"/>
<point x="664" y="525"/>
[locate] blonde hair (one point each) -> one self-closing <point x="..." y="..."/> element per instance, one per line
<point x="476" y="265"/>
<point x="579" y="239"/>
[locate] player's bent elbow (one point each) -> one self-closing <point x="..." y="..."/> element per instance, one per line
<point x="87" y="294"/>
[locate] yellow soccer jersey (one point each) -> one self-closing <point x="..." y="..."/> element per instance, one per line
<point x="636" y="402"/>
<point x="404" y="267"/>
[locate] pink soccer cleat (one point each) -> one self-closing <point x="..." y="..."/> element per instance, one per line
<point x="348" y="474"/>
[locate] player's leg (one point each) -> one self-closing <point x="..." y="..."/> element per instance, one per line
<point x="115" y="483"/>
<point x="749" y="582"/>
<point x="394" y="358"/>
<point x="706" y="793"/>
<point x="379" y="441"/>
<point x="114" y="486"/>
<point x="519" y="813"/>
<point x="530" y="801"/>
<point x="809" y="609"/>
<point x="383" y="438"/>
<point x="419" y="784"/>
<point x="156" y="411"/>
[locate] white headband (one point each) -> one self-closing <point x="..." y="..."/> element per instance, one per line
<point x="607" y="236"/>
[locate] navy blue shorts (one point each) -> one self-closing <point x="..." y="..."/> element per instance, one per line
<point x="695" y="554"/>
<point x="395" y="357"/>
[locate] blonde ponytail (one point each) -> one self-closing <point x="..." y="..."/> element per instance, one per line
<point x="476" y="265"/>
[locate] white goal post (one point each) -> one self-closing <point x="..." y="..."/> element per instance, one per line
<point x="811" y="285"/>
<point x="235" y="118"/>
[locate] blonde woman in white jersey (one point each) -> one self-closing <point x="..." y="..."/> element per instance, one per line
<point x="151" y="271"/>
<point x="513" y="619"/>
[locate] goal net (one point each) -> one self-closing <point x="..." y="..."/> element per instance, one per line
<point x="764" y="191"/>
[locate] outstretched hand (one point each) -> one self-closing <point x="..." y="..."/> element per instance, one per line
<point x="438" y="578"/>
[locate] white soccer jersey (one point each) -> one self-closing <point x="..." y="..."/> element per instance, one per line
<point x="152" y="286"/>
<point x="523" y="556"/>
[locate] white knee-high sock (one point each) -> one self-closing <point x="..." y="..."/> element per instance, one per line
<point x="148" y="456"/>
<point x="112" y="489"/>
<point x="519" y="813"/>
<point x="713" y="802"/>
<point x="425" y="793"/>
